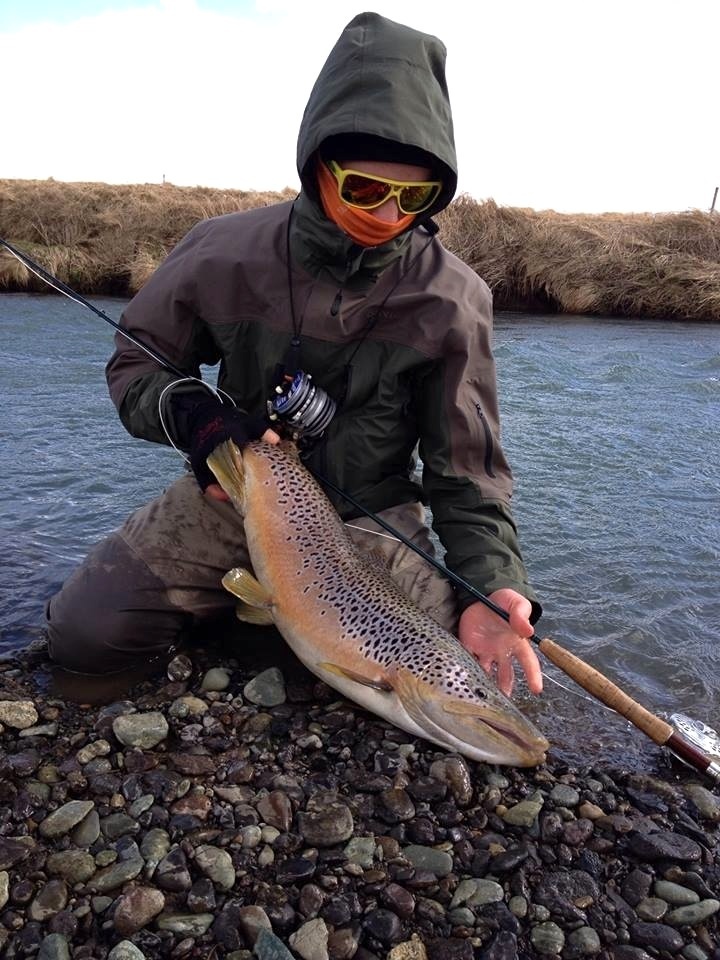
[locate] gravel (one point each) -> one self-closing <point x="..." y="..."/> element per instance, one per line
<point x="219" y="811"/>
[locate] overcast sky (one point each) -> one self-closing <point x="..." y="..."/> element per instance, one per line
<point x="574" y="105"/>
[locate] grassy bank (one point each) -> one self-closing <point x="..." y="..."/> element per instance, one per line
<point x="108" y="239"/>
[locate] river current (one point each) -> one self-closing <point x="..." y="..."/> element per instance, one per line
<point x="611" y="427"/>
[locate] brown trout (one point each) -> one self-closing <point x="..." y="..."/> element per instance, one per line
<point x="349" y="623"/>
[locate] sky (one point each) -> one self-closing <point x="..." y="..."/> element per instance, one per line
<point x="570" y="105"/>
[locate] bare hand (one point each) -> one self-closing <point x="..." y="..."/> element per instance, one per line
<point x="215" y="492"/>
<point x="496" y="644"/>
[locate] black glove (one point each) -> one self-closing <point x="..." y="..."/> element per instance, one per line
<point x="209" y="423"/>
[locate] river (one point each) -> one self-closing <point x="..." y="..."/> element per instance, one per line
<point x="611" y="427"/>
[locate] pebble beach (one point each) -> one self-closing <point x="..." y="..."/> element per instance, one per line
<point x="220" y="811"/>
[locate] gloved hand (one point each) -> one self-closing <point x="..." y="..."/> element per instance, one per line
<point x="209" y="424"/>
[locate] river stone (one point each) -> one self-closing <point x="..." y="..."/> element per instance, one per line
<point x="652" y="909"/>
<point x="19" y="714"/>
<point x="125" y="950"/>
<point x="87" y="831"/>
<point x="74" y="866"/>
<point x="4" y="887"/>
<point x="361" y="850"/>
<point x="143" y="730"/>
<point x="98" y="748"/>
<point x="325" y="823"/>
<point x="136" y="908"/>
<point x="525" y="813"/>
<point x="476" y="892"/>
<point x="428" y="858"/>
<point x="185" y="924"/>
<point x="267" y="689"/>
<point x="270" y="947"/>
<point x="454" y="772"/>
<point x="707" y="804"/>
<point x="62" y="820"/>
<point x="115" y="876"/>
<point x="547" y="938"/>
<point x="675" y="894"/>
<point x="583" y="942"/>
<point x="43" y="730"/>
<point x="154" y="846"/>
<point x="54" y="947"/>
<point x="276" y="810"/>
<point x="188" y="705"/>
<point x="215" y="679"/>
<point x="413" y="949"/>
<point x="310" y="940"/>
<point x="51" y="899"/>
<point x="663" y="845"/>
<point x="656" y="935"/>
<point x="14" y="850"/>
<point x="252" y="920"/>
<point x="172" y="872"/>
<point x="564" y="795"/>
<point x="217" y="865"/>
<point x="693" y="914"/>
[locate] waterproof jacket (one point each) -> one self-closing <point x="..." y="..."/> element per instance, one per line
<point x="398" y="334"/>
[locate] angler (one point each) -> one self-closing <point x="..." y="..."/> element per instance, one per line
<point x="346" y="302"/>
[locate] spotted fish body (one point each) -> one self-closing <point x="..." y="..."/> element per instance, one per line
<point x="349" y="623"/>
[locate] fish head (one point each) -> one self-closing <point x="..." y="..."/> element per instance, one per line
<point x="462" y="710"/>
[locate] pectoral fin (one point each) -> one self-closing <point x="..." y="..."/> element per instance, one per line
<point x="243" y="585"/>
<point x="355" y="677"/>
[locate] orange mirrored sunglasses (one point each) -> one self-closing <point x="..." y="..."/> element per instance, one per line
<point x="366" y="191"/>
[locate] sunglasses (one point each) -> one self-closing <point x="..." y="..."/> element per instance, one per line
<point x="366" y="191"/>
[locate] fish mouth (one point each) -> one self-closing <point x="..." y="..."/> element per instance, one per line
<point x="490" y="733"/>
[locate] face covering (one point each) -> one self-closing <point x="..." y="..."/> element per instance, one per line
<point x="359" y="225"/>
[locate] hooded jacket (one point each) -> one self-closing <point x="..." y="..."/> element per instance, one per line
<point x="398" y="334"/>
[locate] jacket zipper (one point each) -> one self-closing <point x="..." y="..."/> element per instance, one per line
<point x="489" y="442"/>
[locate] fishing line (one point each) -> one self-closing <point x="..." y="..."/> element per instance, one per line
<point x="73" y="295"/>
<point x="698" y="748"/>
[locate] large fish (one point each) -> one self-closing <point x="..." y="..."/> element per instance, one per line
<point x="349" y="623"/>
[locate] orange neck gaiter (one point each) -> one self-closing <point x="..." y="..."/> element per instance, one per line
<point x="359" y="225"/>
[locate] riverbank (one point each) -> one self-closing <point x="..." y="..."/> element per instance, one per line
<point x="104" y="239"/>
<point x="214" y="811"/>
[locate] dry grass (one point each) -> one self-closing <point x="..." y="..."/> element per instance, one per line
<point x="108" y="239"/>
<point x="633" y="265"/>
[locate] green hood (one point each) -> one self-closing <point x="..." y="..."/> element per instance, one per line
<point x="387" y="80"/>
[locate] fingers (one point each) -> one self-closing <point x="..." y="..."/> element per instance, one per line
<point x="270" y="437"/>
<point x="505" y="675"/>
<point x="527" y="658"/>
<point x="215" y="492"/>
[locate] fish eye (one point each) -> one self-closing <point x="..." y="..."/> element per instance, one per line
<point x="479" y="692"/>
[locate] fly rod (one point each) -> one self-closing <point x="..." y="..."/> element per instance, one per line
<point x="67" y="291"/>
<point x="587" y="677"/>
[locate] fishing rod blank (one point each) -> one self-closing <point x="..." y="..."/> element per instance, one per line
<point x="583" y="674"/>
<point x="63" y="288"/>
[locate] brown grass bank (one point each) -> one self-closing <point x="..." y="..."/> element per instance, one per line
<point x="104" y="239"/>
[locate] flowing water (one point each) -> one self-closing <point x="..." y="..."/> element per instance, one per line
<point x="612" y="430"/>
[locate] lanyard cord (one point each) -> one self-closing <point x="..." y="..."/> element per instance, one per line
<point x="370" y="324"/>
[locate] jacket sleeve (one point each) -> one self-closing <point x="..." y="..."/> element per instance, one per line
<point x="164" y="315"/>
<point x="466" y="478"/>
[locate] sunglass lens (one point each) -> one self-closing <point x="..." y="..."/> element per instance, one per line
<point x="415" y="198"/>
<point x="364" y="191"/>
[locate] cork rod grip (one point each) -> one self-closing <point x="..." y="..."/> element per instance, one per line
<point x="599" y="686"/>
